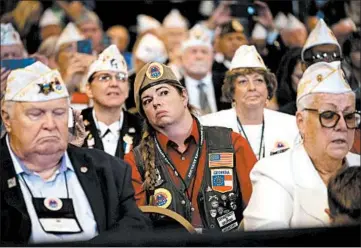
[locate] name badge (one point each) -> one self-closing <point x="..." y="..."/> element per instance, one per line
<point x="60" y="225"/>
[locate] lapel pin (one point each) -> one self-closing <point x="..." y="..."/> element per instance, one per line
<point x="131" y="130"/>
<point x="86" y="123"/>
<point x="84" y="169"/>
<point x="11" y="182"/>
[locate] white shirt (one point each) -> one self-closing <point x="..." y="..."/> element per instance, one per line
<point x="110" y="140"/>
<point x="193" y="91"/>
<point x="254" y="135"/>
<point x="55" y="187"/>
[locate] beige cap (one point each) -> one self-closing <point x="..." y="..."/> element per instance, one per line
<point x="70" y="34"/>
<point x="151" y="74"/>
<point x="175" y="20"/>
<point x="49" y="18"/>
<point x="35" y="83"/>
<point x="109" y="60"/>
<point x="320" y="35"/>
<point x="323" y="77"/>
<point x="9" y="36"/>
<point x="198" y="36"/>
<point x="151" y="48"/>
<point x="145" y="23"/>
<point x="247" y="57"/>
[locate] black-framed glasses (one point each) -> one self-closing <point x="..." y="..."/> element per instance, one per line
<point x="329" y="119"/>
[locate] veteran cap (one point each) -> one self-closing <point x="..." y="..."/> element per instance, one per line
<point x="151" y="48"/>
<point x="247" y="57"/>
<point x="151" y="74"/>
<point x="320" y="35"/>
<point x="35" y="83"/>
<point x="198" y="36"/>
<point x="323" y="77"/>
<point x="70" y="34"/>
<point x="232" y="26"/>
<point x="145" y="23"/>
<point x="109" y="60"/>
<point x="9" y="36"/>
<point x="175" y="20"/>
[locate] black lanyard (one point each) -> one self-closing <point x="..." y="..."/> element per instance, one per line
<point x="261" y="145"/>
<point x="193" y="168"/>
<point x="66" y="185"/>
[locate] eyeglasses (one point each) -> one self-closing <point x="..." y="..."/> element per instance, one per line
<point x="329" y="119"/>
<point x="323" y="56"/>
<point x="106" y="78"/>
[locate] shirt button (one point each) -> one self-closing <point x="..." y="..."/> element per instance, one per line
<point x="183" y="158"/>
<point x="183" y="202"/>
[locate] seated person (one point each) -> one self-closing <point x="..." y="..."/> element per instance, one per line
<point x="52" y="192"/>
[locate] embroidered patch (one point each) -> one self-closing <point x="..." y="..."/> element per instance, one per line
<point x="220" y="159"/>
<point x="222" y="180"/>
<point x="162" y="198"/>
<point x="154" y="71"/>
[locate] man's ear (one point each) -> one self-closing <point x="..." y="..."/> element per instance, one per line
<point x="300" y="121"/>
<point x="328" y="212"/>
<point x="88" y="91"/>
<point x="5" y="116"/>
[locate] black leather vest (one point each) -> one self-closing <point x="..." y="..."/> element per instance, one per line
<point x="219" y="198"/>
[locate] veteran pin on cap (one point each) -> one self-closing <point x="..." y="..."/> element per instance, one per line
<point x="109" y="60"/>
<point x="323" y="77"/>
<point x="35" y="83"/>
<point x="247" y="57"/>
<point x="320" y="35"/>
<point x="151" y="48"/>
<point x="9" y="36"/>
<point x="151" y="74"/>
<point x="175" y="20"/>
<point x="233" y="26"/>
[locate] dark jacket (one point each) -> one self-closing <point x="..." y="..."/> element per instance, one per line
<point x="217" y="79"/>
<point x="132" y="126"/>
<point x="107" y="185"/>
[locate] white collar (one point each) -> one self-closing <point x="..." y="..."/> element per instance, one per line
<point x="114" y="127"/>
<point x="207" y="80"/>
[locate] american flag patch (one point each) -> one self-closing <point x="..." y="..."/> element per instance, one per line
<point x="220" y="159"/>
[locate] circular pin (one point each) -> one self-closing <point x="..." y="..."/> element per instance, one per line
<point x="232" y="196"/>
<point x="223" y="197"/>
<point x="220" y="210"/>
<point x="84" y="169"/>
<point x="192" y="209"/>
<point x="53" y="203"/>
<point x="183" y="202"/>
<point x="162" y="197"/>
<point x="233" y="206"/>
<point x="214" y="204"/>
<point x="183" y="158"/>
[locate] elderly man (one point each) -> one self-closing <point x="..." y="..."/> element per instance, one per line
<point x="51" y="192"/>
<point x="204" y="87"/>
<point x="290" y="189"/>
<point x="110" y="128"/>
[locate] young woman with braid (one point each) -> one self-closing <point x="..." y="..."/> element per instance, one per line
<point x="202" y="173"/>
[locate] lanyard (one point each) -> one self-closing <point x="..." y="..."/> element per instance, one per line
<point x="261" y="145"/>
<point x="66" y="185"/>
<point x="193" y="168"/>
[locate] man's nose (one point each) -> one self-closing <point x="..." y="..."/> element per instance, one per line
<point x="49" y="122"/>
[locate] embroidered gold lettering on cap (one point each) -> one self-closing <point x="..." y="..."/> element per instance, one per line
<point x="162" y="198"/>
<point x="319" y="78"/>
<point x="155" y="71"/>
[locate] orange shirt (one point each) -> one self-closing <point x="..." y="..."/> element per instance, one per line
<point x="244" y="161"/>
<point x="356" y="148"/>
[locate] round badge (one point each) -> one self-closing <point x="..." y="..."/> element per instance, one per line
<point x="53" y="203"/>
<point x="223" y="197"/>
<point x="57" y="87"/>
<point x="214" y="204"/>
<point x="163" y="197"/>
<point x="154" y="71"/>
